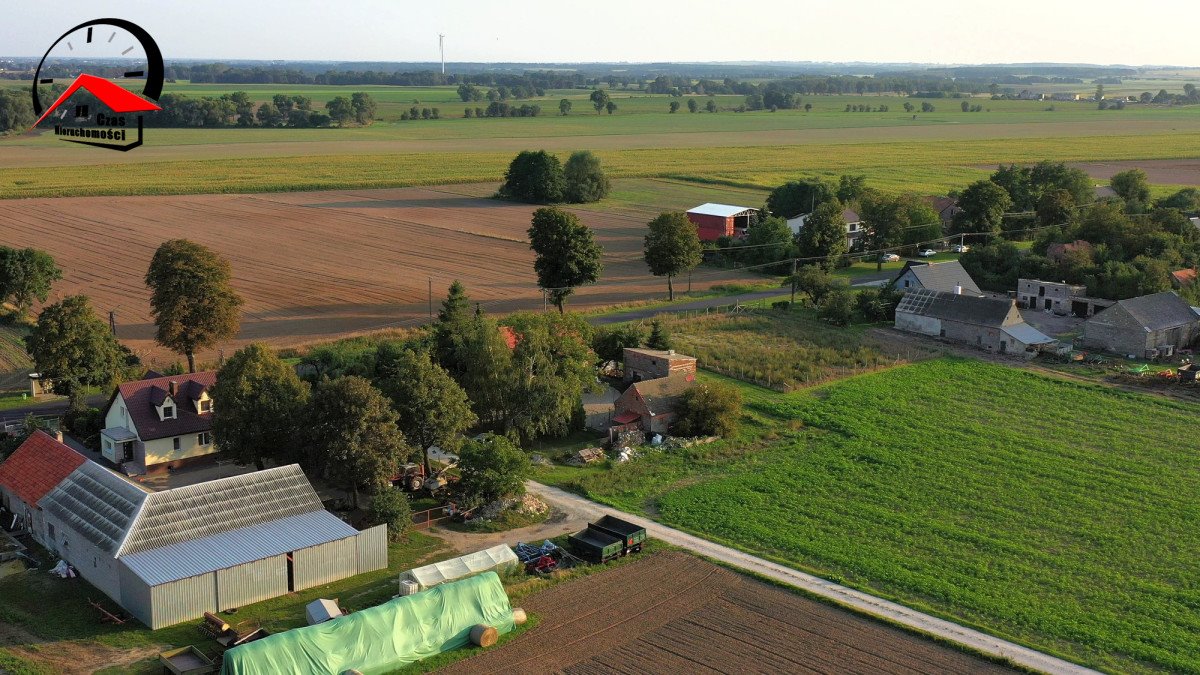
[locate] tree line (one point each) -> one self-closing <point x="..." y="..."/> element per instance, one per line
<point x="237" y="109"/>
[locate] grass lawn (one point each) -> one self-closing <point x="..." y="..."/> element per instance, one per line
<point x="1058" y="514"/>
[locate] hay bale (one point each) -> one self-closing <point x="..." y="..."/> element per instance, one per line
<point x="519" y="616"/>
<point x="483" y="635"/>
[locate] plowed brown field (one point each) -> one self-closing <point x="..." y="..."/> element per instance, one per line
<point x="318" y="265"/>
<point x="675" y="613"/>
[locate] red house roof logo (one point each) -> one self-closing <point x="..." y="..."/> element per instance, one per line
<point x="117" y="99"/>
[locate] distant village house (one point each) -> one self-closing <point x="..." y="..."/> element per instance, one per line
<point x="854" y="225"/>
<point x="1059" y="297"/>
<point x="948" y="277"/>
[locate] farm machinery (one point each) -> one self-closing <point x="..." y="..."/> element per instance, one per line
<point x="413" y="478"/>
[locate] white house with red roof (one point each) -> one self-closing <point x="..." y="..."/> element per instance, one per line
<point x="160" y="422"/>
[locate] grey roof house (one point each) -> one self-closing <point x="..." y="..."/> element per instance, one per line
<point x="170" y="556"/>
<point x="992" y="324"/>
<point x="1145" y="327"/>
<point x="949" y="277"/>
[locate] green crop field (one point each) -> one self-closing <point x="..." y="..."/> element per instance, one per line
<point x="922" y="166"/>
<point x="1058" y="514"/>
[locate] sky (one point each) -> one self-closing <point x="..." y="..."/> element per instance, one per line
<point x="916" y="31"/>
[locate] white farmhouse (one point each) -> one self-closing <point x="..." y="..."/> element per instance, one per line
<point x="158" y="423"/>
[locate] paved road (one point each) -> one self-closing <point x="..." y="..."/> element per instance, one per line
<point x="981" y="642"/>
<point x="722" y="301"/>
<point x="56" y="407"/>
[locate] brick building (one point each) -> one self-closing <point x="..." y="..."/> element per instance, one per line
<point x="651" y="364"/>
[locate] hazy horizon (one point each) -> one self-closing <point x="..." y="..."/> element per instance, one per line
<point x="924" y="32"/>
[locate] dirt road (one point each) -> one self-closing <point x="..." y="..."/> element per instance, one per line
<point x="890" y="611"/>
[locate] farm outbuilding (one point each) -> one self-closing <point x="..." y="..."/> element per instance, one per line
<point x="29" y="474"/>
<point x="1146" y="327"/>
<point x="714" y="221"/>
<point x="992" y="324"/>
<point x="171" y="556"/>
<point x="651" y="364"/>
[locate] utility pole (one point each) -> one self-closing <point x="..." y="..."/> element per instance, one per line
<point x="112" y="322"/>
<point x="430" y="299"/>
<point x="793" y="282"/>
<point x="442" y="49"/>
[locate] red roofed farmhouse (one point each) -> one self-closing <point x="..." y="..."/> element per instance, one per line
<point x="30" y="473"/>
<point x="159" y="422"/>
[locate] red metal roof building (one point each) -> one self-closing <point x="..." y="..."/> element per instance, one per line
<point x="31" y="472"/>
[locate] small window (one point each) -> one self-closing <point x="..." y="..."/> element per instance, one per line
<point x="204" y="437"/>
<point x="206" y="405"/>
<point x="978" y="341"/>
<point x="175" y="442"/>
<point x="50" y="530"/>
<point x="168" y="412"/>
<point x="907" y="283"/>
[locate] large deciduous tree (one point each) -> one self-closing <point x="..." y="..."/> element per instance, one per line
<point x="534" y="177"/>
<point x="983" y="205"/>
<point x="259" y="404"/>
<point x="584" y="179"/>
<point x="492" y="468"/>
<point x="552" y="364"/>
<point x="191" y="299"/>
<point x="433" y="409"/>
<point x="824" y="233"/>
<point x="75" y="349"/>
<point x="799" y="196"/>
<point x="1132" y="186"/>
<point x="26" y="275"/>
<point x="672" y="247"/>
<point x="600" y="100"/>
<point x="353" y="438"/>
<point x="567" y="253"/>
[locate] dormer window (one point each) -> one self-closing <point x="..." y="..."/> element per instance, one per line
<point x="168" y="412"/>
<point x="206" y="405"/>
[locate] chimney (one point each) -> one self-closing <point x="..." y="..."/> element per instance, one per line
<point x="957" y="291"/>
<point x="58" y="435"/>
<point x="173" y="387"/>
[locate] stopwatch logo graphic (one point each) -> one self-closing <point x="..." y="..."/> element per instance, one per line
<point x="112" y="71"/>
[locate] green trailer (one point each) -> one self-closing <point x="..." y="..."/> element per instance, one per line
<point x="595" y="545"/>
<point x="631" y="535"/>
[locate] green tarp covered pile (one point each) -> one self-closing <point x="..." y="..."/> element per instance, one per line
<point x="383" y="638"/>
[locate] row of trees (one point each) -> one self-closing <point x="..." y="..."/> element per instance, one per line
<point x="501" y="109"/>
<point x="470" y="93"/>
<point x="283" y="110"/>
<point x="538" y="177"/>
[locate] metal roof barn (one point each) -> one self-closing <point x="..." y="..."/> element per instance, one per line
<point x="170" y="556"/>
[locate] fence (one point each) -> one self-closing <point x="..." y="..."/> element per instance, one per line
<point x="423" y="520"/>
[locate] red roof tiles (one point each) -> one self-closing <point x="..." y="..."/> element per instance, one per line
<point x="141" y="397"/>
<point x="38" y="466"/>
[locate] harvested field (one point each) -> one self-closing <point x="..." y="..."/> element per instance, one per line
<point x="318" y="265"/>
<point x="1161" y="171"/>
<point x="673" y="612"/>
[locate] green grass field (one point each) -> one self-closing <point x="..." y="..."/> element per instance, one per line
<point x="1057" y="514"/>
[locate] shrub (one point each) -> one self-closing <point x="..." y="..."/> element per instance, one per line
<point x="390" y="507"/>
<point x="708" y="409"/>
<point x="610" y="343"/>
<point x="84" y="424"/>
<point x="838" y="307"/>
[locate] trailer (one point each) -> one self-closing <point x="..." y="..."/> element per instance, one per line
<point x="595" y="545"/>
<point x="631" y="535"/>
<point x="186" y="661"/>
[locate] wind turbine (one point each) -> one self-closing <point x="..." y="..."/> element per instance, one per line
<point x="442" y="49"/>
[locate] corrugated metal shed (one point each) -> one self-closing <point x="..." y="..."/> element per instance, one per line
<point x="236" y="547"/>
<point x="372" y="549"/>
<point x="189" y="513"/>
<point x="182" y="600"/>
<point x="97" y="503"/>
<point x="246" y="584"/>
<point x="322" y="564"/>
